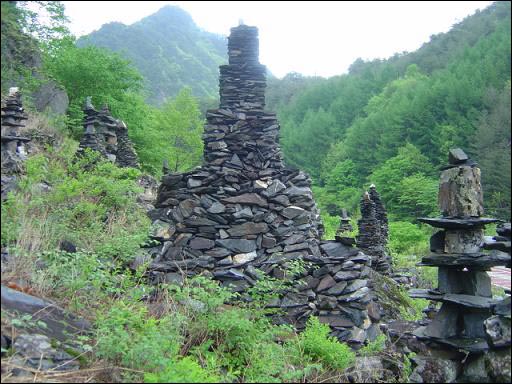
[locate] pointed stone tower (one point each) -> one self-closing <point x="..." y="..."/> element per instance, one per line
<point x="242" y="207"/>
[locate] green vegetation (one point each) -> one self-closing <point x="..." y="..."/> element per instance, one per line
<point x="200" y="332"/>
<point x="391" y="122"/>
<point x="170" y="41"/>
<point x="387" y="122"/>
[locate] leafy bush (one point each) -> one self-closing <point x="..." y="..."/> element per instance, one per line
<point x="127" y="335"/>
<point x="407" y="238"/>
<point x="317" y="344"/>
<point x="90" y="202"/>
<point x="374" y="346"/>
<point x="185" y="370"/>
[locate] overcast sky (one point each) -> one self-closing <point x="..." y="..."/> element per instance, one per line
<point x="312" y="38"/>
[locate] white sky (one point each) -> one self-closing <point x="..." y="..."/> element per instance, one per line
<point x="313" y="38"/>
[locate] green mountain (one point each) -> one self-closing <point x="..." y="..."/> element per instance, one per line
<point x="169" y="50"/>
<point x="352" y="130"/>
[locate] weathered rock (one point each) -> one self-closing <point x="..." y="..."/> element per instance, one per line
<point x="498" y="365"/>
<point x="37" y="352"/>
<point x="460" y="192"/>
<point x="434" y="370"/>
<point x="243" y="258"/>
<point x="247" y="198"/>
<point x="497" y="331"/>
<point x="248" y="229"/>
<point x="50" y="97"/>
<point x="326" y="283"/>
<point x="160" y="230"/>
<point x="201" y="243"/>
<point x="59" y="324"/>
<point x="238" y="245"/>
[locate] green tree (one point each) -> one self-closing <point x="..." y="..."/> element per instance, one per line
<point x="492" y="145"/>
<point x="179" y="126"/>
<point x="91" y="71"/>
<point x="395" y="180"/>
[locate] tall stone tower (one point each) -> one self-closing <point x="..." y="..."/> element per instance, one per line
<point x="242" y="207"/>
<point x="243" y="214"/>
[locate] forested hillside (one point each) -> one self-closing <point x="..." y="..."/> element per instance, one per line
<point x="169" y="50"/>
<point x="391" y="121"/>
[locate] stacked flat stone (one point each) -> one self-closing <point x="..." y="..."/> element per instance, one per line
<point x="13" y="144"/>
<point x="383" y="264"/>
<point x="344" y="229"/>
<point x="91" y="138"/>
<point x="464" y="287"/>
<point x="125" y="155"/>
<point x="380" y="214"/>
<point x="369" y="239"/>
<point x="108" y="136"/>
<point x="242" y="82"/>
<point x="243" y="214"/>
<point x="106" y="130"/>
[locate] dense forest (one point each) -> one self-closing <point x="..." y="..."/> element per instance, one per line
<point x="74" y="230"/>
<point x="169" y="50"/>
<point x="391" y="122"/>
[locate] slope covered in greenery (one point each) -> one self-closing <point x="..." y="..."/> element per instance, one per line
<point x="347" y="131"/>
<point x="169" y="50"/>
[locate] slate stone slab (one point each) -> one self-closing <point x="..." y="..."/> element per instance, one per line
<point x="454" y="223"/>
<point x="60" y="324"/>
<point x="238" y="245"/>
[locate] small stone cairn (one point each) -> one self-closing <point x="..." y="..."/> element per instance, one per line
<point x="13" y="147"/>
<point x="469" y="316"/>
<point x="243" y="214"/>
<point x="13" y="144"/>
<point x="108" y="136"/>
<point x="344" y="229"/>
<point x="373" y="231"/>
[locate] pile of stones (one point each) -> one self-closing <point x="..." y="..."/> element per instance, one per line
<point x="108" y="136"/>
<point x="338" y="288"/>
<point x="373" y="231"/>
<point x="13" y="148"/>
<point x="243" y="213"/>
<point x="469" y="319"/>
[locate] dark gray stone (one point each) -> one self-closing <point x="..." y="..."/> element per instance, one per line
<point x="238" y="245"/>
<point x="217" y="208"/>
<point x="292" y="212"/>
<point x="232" y="273"/>
<point x="497" y="331"/>
<point x="248" y="228"/>
<point x="326" y="283"/>
<point x="335" y="249"/>
<point x="245" y="213"/>
<point x="201" y="243"/>
<point x="346" y="275"/>
<point x="60" y="324"/>
<point x="337" y="289"/>
<point x="457" y="156"/>
<point x="247" y="198"/>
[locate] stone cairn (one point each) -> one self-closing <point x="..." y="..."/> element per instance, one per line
<point x="464" y="287"/>
<point x="13" y="144"/>
<point x="344" y="229"/>
<point x="108" y="136"/>
<point x="243" y="213"/>
<point x="373" y="231"/>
